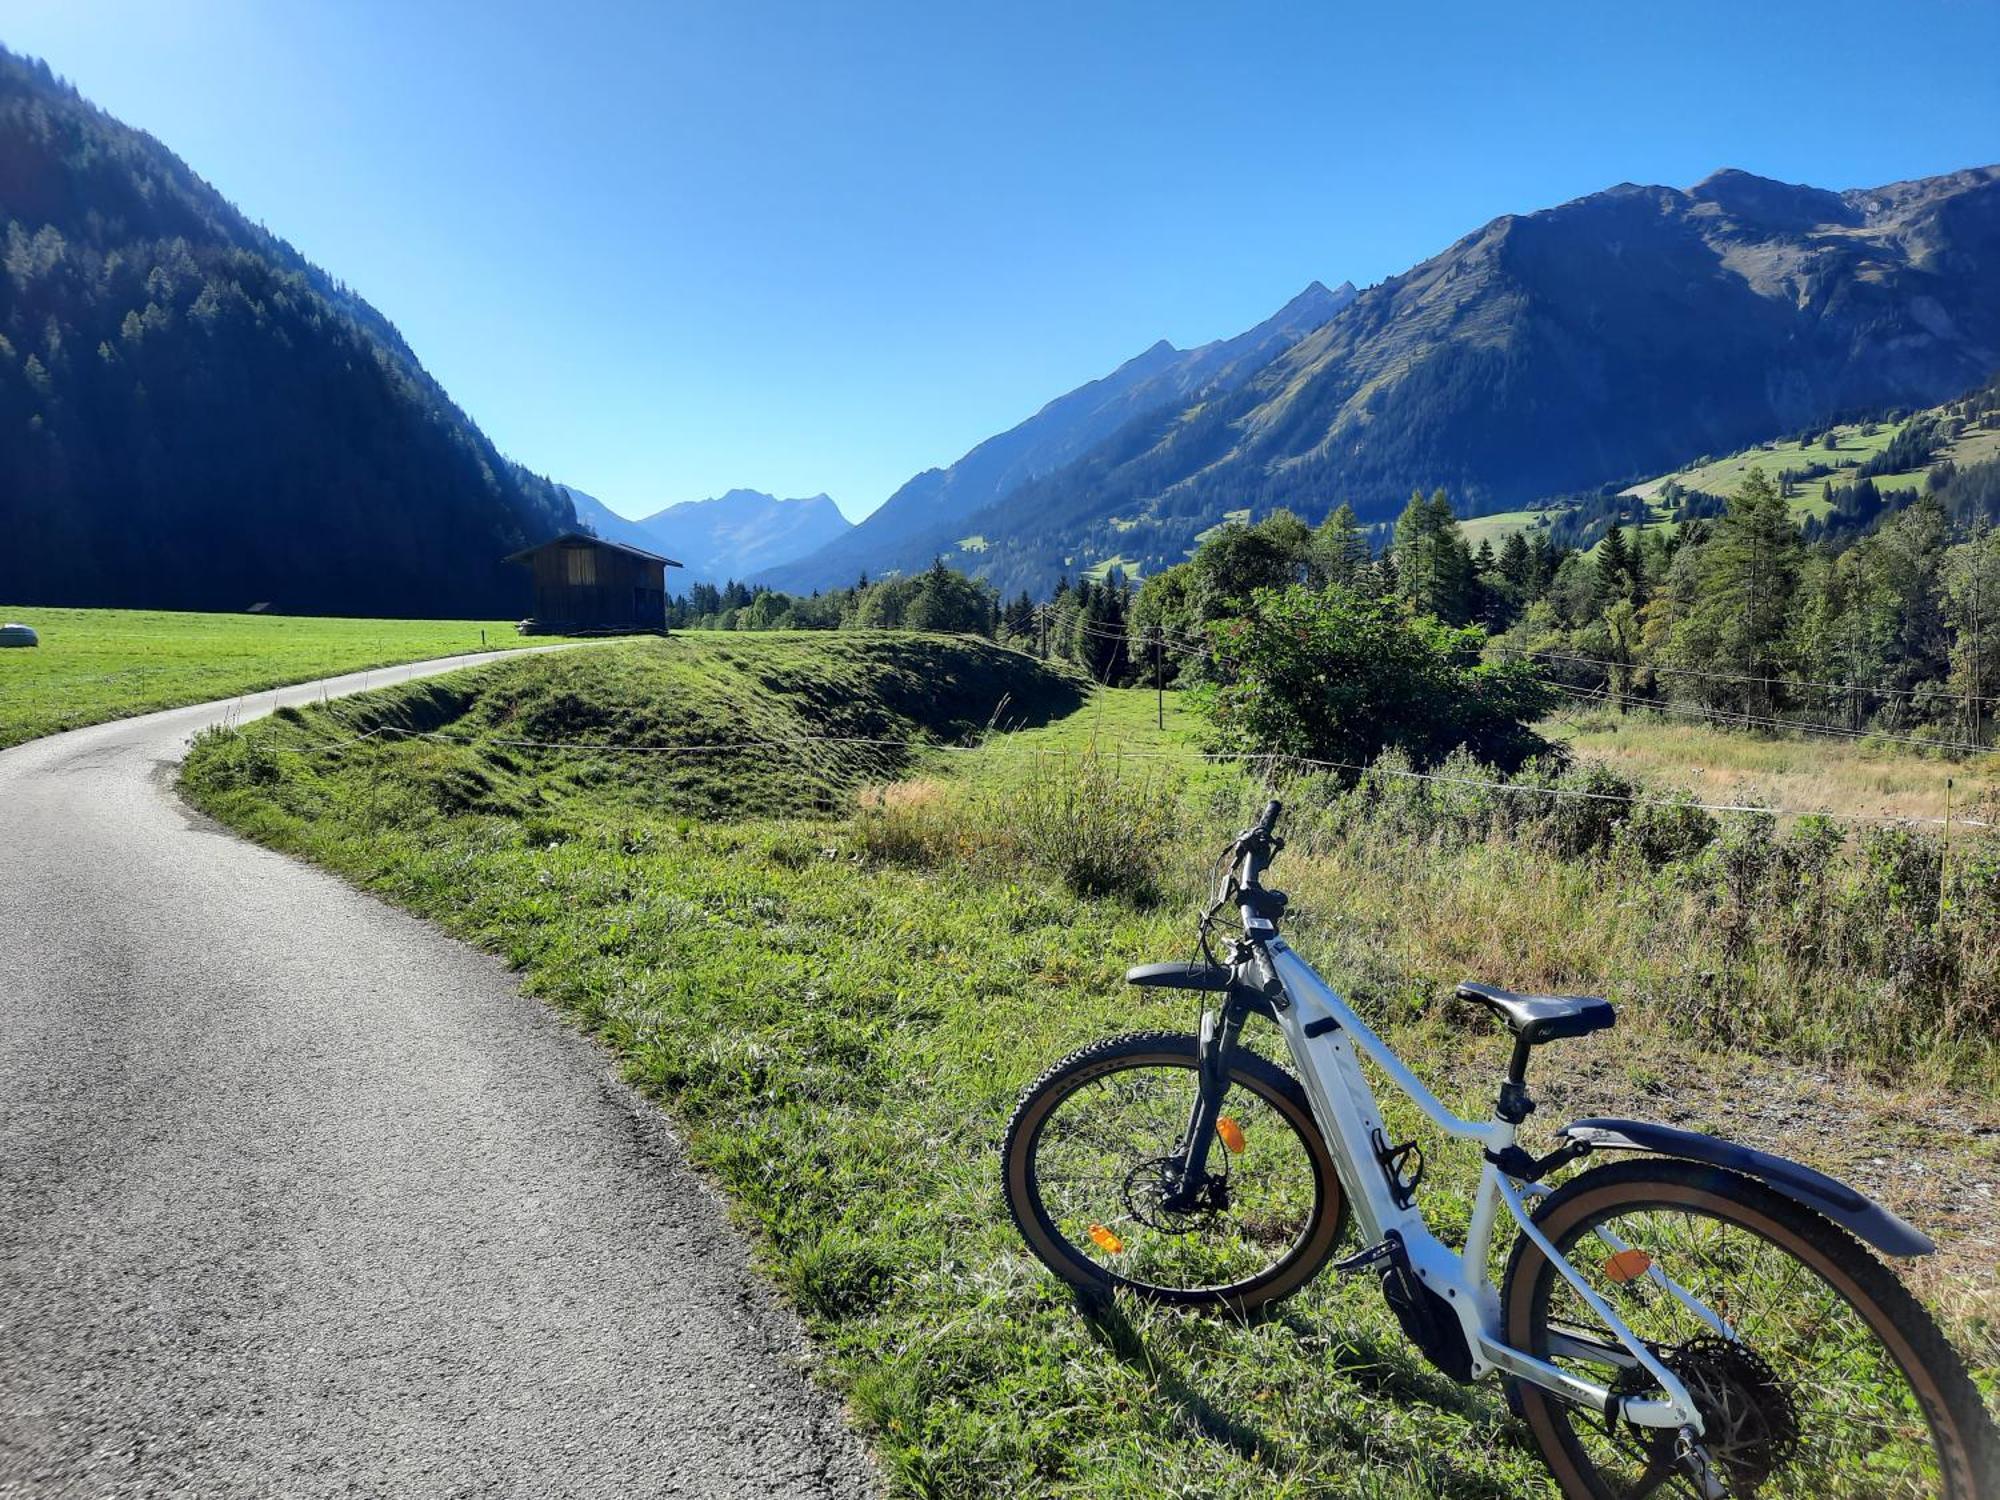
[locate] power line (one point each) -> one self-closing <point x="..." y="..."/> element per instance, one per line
<point x="1659" y="669"/>
<point x="1763" y="721"/>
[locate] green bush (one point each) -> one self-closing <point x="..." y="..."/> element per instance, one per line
<point x="1339" y="676"/>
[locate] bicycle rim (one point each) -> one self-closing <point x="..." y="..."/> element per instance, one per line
<point x="1100" y="1167"/>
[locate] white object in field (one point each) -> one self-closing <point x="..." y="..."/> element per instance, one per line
<point x="12" y="634"/>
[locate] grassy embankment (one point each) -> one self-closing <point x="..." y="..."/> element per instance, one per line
<point x="839" y="992"/>
<point x="99" y="664"/>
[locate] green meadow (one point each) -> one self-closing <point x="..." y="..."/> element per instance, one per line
<point x="99" y="664"/>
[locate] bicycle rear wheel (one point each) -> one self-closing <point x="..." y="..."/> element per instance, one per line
<point x="1826" y="1379"/>
<point x="1089" y="1162"/>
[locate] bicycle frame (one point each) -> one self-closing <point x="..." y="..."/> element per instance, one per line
<point x="1324" y="1033"/>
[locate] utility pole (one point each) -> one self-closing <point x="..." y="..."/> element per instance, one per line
<point x="1978" y="641"/>
<point x="1159" y="683"/>
<point x="1042" y="629"/>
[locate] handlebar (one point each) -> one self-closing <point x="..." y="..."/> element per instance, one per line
<point x="1248" y="856"/>
<point x="1268" y="824"/>
<point x="1255" y="846"/>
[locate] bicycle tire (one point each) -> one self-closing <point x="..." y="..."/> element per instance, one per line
<point x="1961" y="1432"/>
<point x="1247" y="1070"/>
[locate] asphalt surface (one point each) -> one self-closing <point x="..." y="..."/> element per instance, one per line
<point x="299" y="1197"/>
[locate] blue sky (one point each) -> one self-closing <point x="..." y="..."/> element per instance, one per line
<point x="658" y="250"/>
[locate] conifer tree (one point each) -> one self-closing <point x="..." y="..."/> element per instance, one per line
<point x="1339" y="548"/>
<point x="1745" y="579"/>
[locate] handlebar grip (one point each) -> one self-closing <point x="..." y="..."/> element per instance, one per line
<point x="1269" y="821"/>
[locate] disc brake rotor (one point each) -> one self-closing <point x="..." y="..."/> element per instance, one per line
<point x="1149" y="1187"/>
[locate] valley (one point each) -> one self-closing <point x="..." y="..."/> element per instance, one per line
<point x="731" y="536"/>
<point x="586" y="1069"/>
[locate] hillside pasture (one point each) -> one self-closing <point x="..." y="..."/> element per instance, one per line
<point x="1853" y="446"/>
<point x="99" y="664"/>
<point x="1502" y="524"/>
<point x="1722" y="476"/>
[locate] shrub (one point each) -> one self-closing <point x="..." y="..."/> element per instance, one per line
<point x="1668" y="831"/>
<point x="1341" y="676"/>
<point x="1595" y="804"/>
<point x="1095" y="822"/>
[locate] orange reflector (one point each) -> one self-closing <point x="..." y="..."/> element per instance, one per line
<point x="1231" y="1133"/>
<point x="1108" y="1242"/>
<point x="1627" y="1264"/>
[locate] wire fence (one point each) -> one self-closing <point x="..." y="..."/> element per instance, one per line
<point x="1272" y="765"/>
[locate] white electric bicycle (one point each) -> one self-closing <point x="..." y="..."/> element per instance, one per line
<point x="1697" y="1319"/>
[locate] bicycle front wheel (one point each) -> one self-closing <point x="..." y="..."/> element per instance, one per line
<point x="1090" y="1167"/>
<point x="1815" y="1371"/>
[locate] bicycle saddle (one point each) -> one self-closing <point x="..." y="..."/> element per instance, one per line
<point x="1542" y="1018"/>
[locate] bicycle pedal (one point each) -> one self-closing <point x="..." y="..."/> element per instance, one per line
<point x="1363" y="1260"/>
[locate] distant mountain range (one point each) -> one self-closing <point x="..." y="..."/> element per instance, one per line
<point x="1616" y="336"/>
<point x="933" y="504"/>
<point x="192" y="416"/>
<point x="731" y="536"/>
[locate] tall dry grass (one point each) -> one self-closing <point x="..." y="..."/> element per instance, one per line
<point x="1800" y="937"/>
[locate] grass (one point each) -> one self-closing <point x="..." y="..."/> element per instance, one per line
<point x="1098" y="571"/>
<point x="1805" y="773"/>
<point x="1722" y="476"/>
<point x="838" y="974"/>
<point x="1853" y="446"/>
<point x="1496" y="528"/>
<point x="99" y="664"/>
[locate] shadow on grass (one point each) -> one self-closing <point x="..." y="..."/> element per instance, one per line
<point x="1377" y="1372"/>
<point x="1109" y="1325"/>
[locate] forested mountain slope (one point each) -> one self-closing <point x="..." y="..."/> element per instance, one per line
<point x="192" y="416"/>
<point x="1616" y="336"/>
<point x="927" y="509"/>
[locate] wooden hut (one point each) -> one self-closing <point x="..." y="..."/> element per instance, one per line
<point x="586" y="583"/>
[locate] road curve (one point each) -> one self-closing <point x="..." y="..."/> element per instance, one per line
<point x="299" y="1197"/>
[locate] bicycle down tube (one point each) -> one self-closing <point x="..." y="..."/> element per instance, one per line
<point x="1323" y="1033"/>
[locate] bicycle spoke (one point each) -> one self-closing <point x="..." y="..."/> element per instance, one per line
<point x="1832" y="1412"/>
<point x="1106" y="1159"/>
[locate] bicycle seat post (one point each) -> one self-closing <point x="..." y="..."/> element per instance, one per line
<point x="1514" y="1105"/>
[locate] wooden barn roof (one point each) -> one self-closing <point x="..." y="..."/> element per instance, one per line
<point x="583" y="538"/>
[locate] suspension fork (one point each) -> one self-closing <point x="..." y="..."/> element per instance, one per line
<point x="1219" y="1030"/>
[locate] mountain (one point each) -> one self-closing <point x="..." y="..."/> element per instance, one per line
<point x="933" y="502"/>
<point x="742" y="532"/>
<point x="599" y="519"/>
<point x="1617" y="336"/>
<point x="192" y="416"/>
<point x="730" y="536"/>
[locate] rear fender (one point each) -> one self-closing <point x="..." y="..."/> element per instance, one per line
<point x="1853" y="1211"/>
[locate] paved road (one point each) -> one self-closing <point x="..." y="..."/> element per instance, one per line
<point x="299" y="1197"/>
